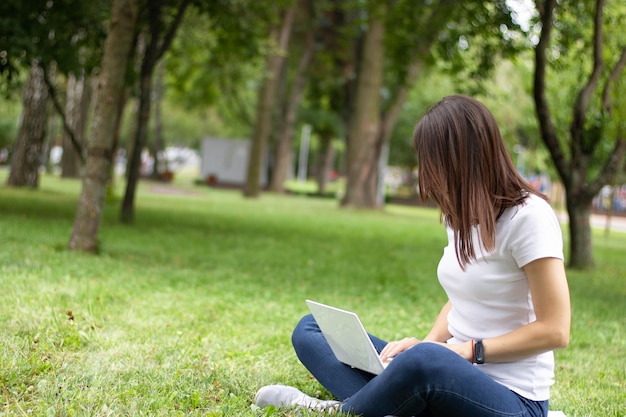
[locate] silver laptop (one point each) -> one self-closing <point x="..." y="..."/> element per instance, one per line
<point x="347" y="337"/>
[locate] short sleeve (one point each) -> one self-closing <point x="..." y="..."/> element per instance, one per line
<point x="535" y="232"/>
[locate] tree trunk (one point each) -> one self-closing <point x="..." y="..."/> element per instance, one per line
<point x="283" y="155"/>
<point x="158" y="144"/>
<point x="283" y="159"/>
<point x="28" y="148"/>
<point x="52" y="139"/>
<point x="77" y="108"/>
<point x="364" y="122"/>
<point x="263" y="125"/>
<point x="388" y="121"/>
<point x="117" y="129"/>
<point x="324" y="163"/>
<point x="70" y="162"/>
<point x="99" y="152"/>
<point x="581" y="251"/>
<point x="438" y="17"/>
<point x="127" y="213"/>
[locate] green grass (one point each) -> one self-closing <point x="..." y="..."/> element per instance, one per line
<point x="190" y="310"/>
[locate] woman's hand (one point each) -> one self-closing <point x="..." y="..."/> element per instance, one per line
<point x="393" y="348"/>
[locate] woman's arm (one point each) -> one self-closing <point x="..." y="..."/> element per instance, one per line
<point x="438" y="333"/>
<point x="550" y="294"/>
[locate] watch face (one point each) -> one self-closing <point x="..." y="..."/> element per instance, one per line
<point x="479" y="352"/>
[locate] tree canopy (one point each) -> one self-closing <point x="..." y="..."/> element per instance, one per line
<point x="67" y="32"/>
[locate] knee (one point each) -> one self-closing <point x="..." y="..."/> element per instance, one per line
<point x="303" y="330"/>
<point x="426" y="359"/>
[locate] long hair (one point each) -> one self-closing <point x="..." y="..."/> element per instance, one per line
<point x="463" y="165"/>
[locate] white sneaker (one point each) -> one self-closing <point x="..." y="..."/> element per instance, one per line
<point x="286" y="396"/>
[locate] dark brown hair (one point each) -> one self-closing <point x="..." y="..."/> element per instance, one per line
<point x="463" y="165"/>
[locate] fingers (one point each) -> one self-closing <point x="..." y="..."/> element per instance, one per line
<point x="393" y="348"/>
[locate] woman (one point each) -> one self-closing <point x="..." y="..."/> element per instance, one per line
<point x="489" y="352"/>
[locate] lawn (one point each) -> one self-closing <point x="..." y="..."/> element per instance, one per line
<point x="190" y="310"/>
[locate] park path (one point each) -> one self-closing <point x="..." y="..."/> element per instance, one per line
<point x="598" y="221"/>
<point x="164" y="188"/>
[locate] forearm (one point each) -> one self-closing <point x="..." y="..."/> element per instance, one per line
<point x="530" y="340"/>
<point x="439" y="332"/>
<point x="527" y="341"/>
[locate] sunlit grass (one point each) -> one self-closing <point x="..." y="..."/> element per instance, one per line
<point x="189" y="310"/>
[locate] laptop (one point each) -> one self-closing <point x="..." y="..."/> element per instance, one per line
<point x="347" y="337"/>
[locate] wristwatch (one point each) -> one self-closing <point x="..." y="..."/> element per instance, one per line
<point x="479" y="352"/>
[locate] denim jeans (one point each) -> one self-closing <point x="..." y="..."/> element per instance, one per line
<point x="427" y="380"/>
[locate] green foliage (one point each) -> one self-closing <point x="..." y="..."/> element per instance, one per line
<point x="190" y="311"/>
<point x="216" y="59"/>
<point x="506" y="93"/>
<point x="67" y="32"/>
<point x="571" y="62"/>
<point x="477" y="36"/>
<point x="429" y="89"/>
<point x="198" y="83"/>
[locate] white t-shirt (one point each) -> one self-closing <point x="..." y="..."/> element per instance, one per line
<point x="492" y="297"/>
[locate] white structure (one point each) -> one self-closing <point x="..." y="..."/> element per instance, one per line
<point x="225" y="161"/>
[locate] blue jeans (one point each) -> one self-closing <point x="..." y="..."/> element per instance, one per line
<point x="427" y="380"/>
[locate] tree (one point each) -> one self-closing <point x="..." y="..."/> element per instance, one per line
<point x="290" y="103"/>
<point x="159" y="39"/>
<point x="329" y="81"/>
<point x="157" y="148"/>
<point x="77" y="105"/>
<point x="109" y="92"/>
<point x="28" y="148"/>
<point x="462" y="35"/>
<point x="365" y="119"/>
<point x="60" y="35"/>
<point x="280" y="34"/>
<point x="216" y="61"/>
<point x="406" y="72"/>
<point x="596" y="147"/>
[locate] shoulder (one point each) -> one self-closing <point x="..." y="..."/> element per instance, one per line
<point x="533" y="207"/>
<point x="531" y="230"/>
